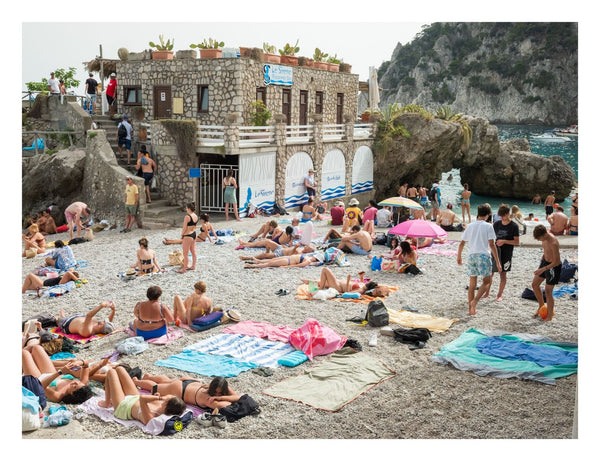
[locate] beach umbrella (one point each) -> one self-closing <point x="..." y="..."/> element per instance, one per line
<point x="373" y="89"/>
<point x="401" y="201"/>
<point x="418" y="228"/>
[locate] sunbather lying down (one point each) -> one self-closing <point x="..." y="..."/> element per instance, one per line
<point x="33" y="282"/>
<point x="294" y="260"/>
<point x="86" y="325"/>
<point x="328" y="280"/>
<point x="215" y="395"/>
<point x="279" y="251"/>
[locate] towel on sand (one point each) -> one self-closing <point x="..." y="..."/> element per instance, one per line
<point x="463" y="354"/>
<point x="206" y="364"/>
<point x="303" y="293"/>
<point x="313" y="339"/>
<point x="335" y="382"/>
<point x="260" y="330"/>
<point x="413" y="320"/>
<point x="77" y="338"/>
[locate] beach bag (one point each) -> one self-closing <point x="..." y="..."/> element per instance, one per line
<point x="177" y="423"/>
<point x="176" y="258"/>
<point x="335" y="256"/>
<point x="245" y="406"/>
<point x="30" y="253"/>
<point x="208" y="318"/>
<point x="377" y="314"/>
<point x="529" y="294"/>
<point x="431" y="194"/>
<point x="389" y="265"/>
<point x="278" y="209"/>
<point x="122" y="131"/>
<point x="30" y="411"/>
<point x="416" y="337"/>
<point x="139" y="173"/>
<point x="567" y="271"/>
<point x="34" y="385"/>
<point x="376" y="263"/>
<point x="88" y="235"/>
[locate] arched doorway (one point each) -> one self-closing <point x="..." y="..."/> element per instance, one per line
<point x="295" y="171"/>
<point x="333" y="175"/>
<point x="362" y="170"/>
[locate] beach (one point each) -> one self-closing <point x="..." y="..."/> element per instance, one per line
<point x="424" y="400"/>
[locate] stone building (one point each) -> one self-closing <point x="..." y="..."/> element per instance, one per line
<point x="313" y="126"/>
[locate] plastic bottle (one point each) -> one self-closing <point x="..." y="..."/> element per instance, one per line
<point x="58" y="418"/>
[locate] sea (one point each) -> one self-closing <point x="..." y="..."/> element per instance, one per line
<point x="451" y="189"/>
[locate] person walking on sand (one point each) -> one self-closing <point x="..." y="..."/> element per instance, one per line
<point x="481" y="238"/>
<point x="229" y="188"/>
<point x="465" y="202"/>
<point x="132" y="200"/>
<point x="549" y="204"/>
<point x="549" y="270"/>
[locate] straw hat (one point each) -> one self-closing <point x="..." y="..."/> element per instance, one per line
<point x="353" y="202"/>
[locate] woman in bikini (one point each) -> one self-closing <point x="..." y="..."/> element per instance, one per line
<point x="215" y="395"/>
<point x="195" y="305"/>
<point x="229" y="187"/>
<point x="152" y="316"/>
<point x="58" y="380"/>
<point x="206" y="229"/>
<point x="329" y="280"/>
<point x="33" y="282"/>
<point x="465" y="202"/>
<point x="146" y="259"/>
<point x="308" y="211"/>
<point x="122" y="394"/>
<point x="35" y="241"/>
<point x="188" y="238"/>
<point x="295" y="260"/>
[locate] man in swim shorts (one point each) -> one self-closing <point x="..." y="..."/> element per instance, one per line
<point x="87" y="325"/>
<point x="358" y="242"/>
<point x="549" y="204"/>
<point x="73" y="216"/>
<point x="481" y="238"/>
<point x="548" y="271"/>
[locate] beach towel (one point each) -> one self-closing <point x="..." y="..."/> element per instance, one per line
<point x="437" y="251"/>
<point x="79" y="339"/>
<point x="564" y="290"/>
<point x="414" y="320"/>
<point x="260" y="330"/>
<point x="314" y="339"/>
<point x="303" y="293"/>
<point x="172" y="334"/>
<point x="464" y="354"/>
<point x="154" y="427"/>
<point x="261" y="352"/>
<point x="206" y="364"/>
<point x="58" y="290"/>
<point x="335" y="382"/>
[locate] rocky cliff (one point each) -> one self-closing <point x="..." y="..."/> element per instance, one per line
<point x="514" y="73"/>
<point x="490" y="167"/>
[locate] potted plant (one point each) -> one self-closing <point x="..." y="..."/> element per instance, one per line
<point x="365" y="116"/>
<point x="306" y="62"/>
<point x="288" y="54"/>
<point x="164" y="50"/>
<point x="245" y="52"/>
<point x="270" y="53"/>
<point x="345" y="67"/>
<point x="333" y="63"/>
<point x="260" y="115"/>
<point x="209" y="48"/>
<point x="320" y="60"/>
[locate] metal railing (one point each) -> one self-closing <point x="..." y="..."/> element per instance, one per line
<point x="333" y="132"/>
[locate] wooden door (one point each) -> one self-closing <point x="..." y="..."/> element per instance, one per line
<point x="286" y="104"/>
<point x="303" y="107"/>
<point x="162" y="102"/>
<point x="339" y="115"/>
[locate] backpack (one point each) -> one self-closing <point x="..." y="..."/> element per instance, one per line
<point x="177" y="423"/>
<point x="377" y="314"/>
<point x="415" y="337"/>
<point x="567" y="271"/>
<point x="144" y="160"/>
<point x="431" y="194"/>
<point x="122" y="131"/>
<point x="278" y="209"/>
<point x="245" y="406"/>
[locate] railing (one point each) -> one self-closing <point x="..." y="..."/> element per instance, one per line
<point x="333" y="132"/>
<point x="29" y="97"/>
<point x="40" y="147"/>
<point x="210" y="135"/>
<point x="363" y="130"/>
<point x="252" y="136"/>
<point x="296" y="134"/>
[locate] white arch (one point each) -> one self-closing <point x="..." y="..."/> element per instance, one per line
<point x="333" y="175"/>
<point x="362" y="170"/>
<point x="295" y="171"/>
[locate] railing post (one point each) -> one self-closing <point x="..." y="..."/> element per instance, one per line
<point x="317" y="124"/>
<point x="279" y="131"/>
<point x="231" y="132"/>
<point x="348" y="128"/>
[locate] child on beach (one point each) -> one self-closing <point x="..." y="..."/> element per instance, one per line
<point x="549" y="270"/>
<point x="481" y="238"/>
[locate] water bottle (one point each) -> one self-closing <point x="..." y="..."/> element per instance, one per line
<point x="58" y="418"/>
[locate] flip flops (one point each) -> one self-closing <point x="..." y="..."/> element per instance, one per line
<point x="282" y="292"/>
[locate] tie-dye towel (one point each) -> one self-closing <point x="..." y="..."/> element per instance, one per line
<point x="79" y="339"/>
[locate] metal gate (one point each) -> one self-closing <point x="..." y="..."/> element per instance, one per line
<point x="211" y="186"/>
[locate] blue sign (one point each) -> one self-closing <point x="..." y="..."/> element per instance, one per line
<point x="275" y="74"/>
<point x="195" y="172"/>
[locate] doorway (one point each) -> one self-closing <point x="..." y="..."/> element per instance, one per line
<point x="162" y="102"/>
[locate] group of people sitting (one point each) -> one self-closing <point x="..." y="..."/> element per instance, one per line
<point x="44" y="221"/>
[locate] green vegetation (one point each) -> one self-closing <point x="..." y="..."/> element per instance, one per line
<point x="290" y="50"/>
<point x="163" y="46"/>
<point x="443" y="95"/>
<point x="59" y="74"/>
<point x="92" y="134"/>
<point x="271" y="49"/>
<point x="209" y="44"/>
<point x="184" y="133"/>
<point x="543" y="79"/>
<point x="260" y="114"/>
<point x="532" y="99"/>
<point x="484" y="84"/>
<point x="319" y="55"/>
<point x="388" y="129"/>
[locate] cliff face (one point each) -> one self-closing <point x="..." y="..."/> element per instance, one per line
<point x="513" y="73"/>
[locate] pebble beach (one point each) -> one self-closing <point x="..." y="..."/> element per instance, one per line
<point x="425" y="400"/>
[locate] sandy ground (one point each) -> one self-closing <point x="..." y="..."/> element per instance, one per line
<point x="424" y="401"/>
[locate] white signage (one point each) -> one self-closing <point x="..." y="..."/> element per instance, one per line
<point x="295" y="172"/>
<point x="257" y="181"/>
<point x="362" y="170"/>
<point x="274" y="74"/>
<point x="163" y="96"/>
<point x="333" y="178"/>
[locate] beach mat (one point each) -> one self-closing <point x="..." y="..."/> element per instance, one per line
<point x="335" y="382"/>
<point x="206" y="364"/>
<point x="260" y="330"/>
<point x="79" y="339"/>
<point x="172" y="334"/>
<point x="303" y="293"/>
<point x="414" y="320"/>
<point x="472" y="351"/>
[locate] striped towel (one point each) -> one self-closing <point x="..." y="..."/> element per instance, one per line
<point x="244" y="348"/>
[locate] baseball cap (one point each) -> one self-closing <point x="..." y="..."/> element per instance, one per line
<point x="113" y="75"/>
<point x="125" y="117"/>
<point x="128" y="177"/>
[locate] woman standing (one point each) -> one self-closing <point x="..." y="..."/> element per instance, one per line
<point x="465" y="202"/>
<point x="188" y="238"/>
<point x="229" y="187"/>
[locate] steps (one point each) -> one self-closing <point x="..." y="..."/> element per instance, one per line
<point x="158" y="214"/>
<point x="105" y="123"/>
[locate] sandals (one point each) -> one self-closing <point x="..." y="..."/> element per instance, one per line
<point x="282" y="292"/>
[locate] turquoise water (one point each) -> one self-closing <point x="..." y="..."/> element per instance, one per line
<point x="569" y="151"/>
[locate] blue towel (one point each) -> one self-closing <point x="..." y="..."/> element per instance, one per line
<point x="205" y="364"/>
<point x="567" y="289"/>
<point x="519" y="350"/>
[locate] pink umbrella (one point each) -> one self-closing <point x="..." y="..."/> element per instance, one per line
<point x="418" y="228"/>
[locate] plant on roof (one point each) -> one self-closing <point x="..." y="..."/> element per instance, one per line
<point x="290" y="50"/>
<point x="333" y="59"/>
<point x="271" y="49"/>
<point x="319" y="56"/>
<point x="209" y="44"/>
<point x="163" y="46"/>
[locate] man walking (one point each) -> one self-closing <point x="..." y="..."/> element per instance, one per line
<point x="148" y="167"/>
<point x="549" y="270"/>
<point x="132" y="200"/>
<point x="309" y="183"/>
<point x="91" y="90"/>
<point x="124" y="130"/>
<point x="111" y="92"/>
<point x="482" y="247"/>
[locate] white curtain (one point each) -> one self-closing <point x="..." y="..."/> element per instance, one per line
<point x="257" y="181"/>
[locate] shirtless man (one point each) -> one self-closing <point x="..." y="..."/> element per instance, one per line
<point x="465" y="202"/>
<point x="358" y="242"/>
<point x="536" y="200"/>
<point x="446" y="218"/>
<point x="549" y="270"/>
<point x="412" y="193"/>
<point x="73" y="216"/>
<point x="559" y="222"/>
<point x="402" y="190"/>
<point x="549" y="204"/>
<point x="46" y="223"/>
<point x="148" y="167"/>
<point x="87" y="325"/>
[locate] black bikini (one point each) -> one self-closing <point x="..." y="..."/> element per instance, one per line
<point x="184" y="384"/>
<point x="191" y="223"/>
<point x="146" y="262"/>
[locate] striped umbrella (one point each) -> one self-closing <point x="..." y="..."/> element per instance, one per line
<point x="401" y="201"/>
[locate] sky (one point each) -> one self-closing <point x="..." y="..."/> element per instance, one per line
<point x="41" y="36"/>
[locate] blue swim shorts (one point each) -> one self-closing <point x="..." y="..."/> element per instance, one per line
<point x="357" y="249"/>
<point x="479" y="264"/>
